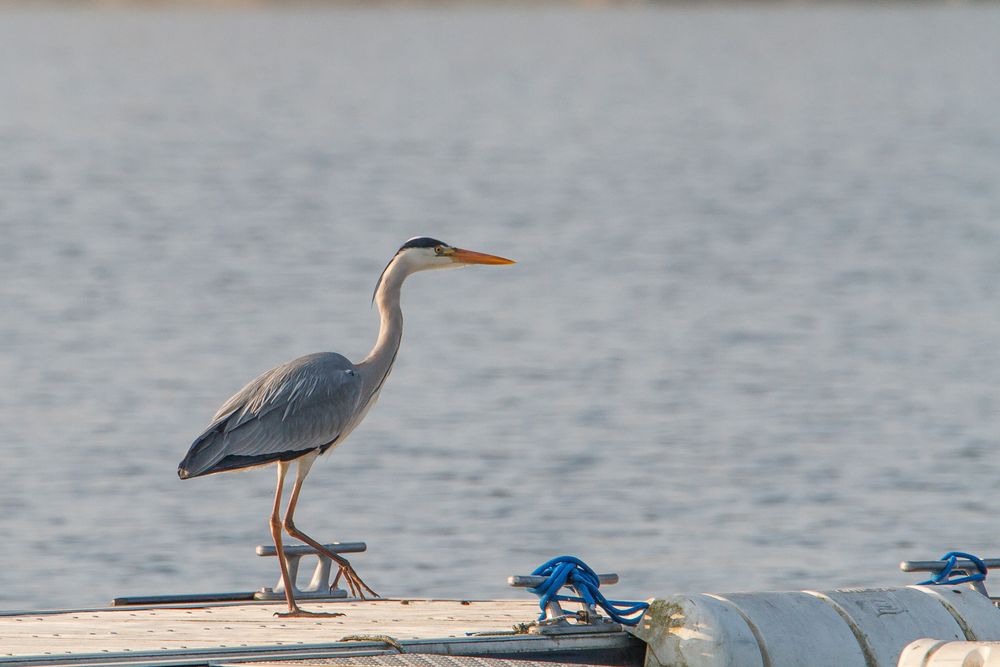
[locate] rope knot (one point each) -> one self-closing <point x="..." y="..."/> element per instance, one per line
<point x="573" y="572"/>
<point x="943" y="576"/>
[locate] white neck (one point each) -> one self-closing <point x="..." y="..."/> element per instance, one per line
<point x="379" y="361"/>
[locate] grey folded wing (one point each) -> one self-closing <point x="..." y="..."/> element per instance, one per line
<point x="302" y="406"/>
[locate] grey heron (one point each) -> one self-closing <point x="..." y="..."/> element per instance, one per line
<point x="306" y="407"/>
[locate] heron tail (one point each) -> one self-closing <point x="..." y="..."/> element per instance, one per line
<point x="205" y="453"/>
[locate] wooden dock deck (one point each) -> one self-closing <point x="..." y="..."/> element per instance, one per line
<point x="190" y="635"/>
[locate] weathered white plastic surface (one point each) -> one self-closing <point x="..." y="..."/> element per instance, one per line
<point x="848" y="628"/>
<point x="936" y="653"/>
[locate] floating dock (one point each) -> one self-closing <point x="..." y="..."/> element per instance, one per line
<point x="191" y="635"/>
<point x="948" y="621"/>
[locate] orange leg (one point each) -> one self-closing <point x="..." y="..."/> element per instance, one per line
<point x="354" y="582"/>
<point x="276" y="536"/>
<point x="293" y="608"/>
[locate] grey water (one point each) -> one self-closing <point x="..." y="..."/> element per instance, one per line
<point x="752" y="340"/>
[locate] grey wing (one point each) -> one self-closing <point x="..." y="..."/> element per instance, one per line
<point x="302" y="406"/>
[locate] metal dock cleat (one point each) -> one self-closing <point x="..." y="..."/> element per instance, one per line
<point x="557" y="620"/>
<point x="319" y="586"/>
<point x="955" y="567"/>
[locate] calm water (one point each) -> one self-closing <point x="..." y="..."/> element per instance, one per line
<point x="753" y="340"/>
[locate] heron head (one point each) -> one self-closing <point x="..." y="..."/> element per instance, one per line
<point x="422" y="253"/>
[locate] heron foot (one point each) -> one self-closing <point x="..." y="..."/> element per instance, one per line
<point x="302" y="613"/>
<point x="354" y="583"/>
<point x="357" y="587"/>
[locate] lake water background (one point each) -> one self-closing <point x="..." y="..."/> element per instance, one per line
<point x="752" y="340"/>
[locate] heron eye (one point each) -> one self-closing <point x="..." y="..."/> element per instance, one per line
<point x="439" y="250"/>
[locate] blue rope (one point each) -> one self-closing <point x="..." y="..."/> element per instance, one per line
<point x="570" y="571"/>
<point x="943" y="576"/>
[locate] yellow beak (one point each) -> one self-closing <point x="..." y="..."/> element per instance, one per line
<point x="472" y="257"/>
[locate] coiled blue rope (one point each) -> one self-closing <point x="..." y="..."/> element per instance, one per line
<point x="943" y="576"/>
<point x="571" y="571"/>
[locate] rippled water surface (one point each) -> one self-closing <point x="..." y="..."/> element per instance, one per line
<point x="751" y="341"/>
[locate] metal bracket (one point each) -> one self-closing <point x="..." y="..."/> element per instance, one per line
<point x="319" y="586"/>
<point x="556" y="621"/>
